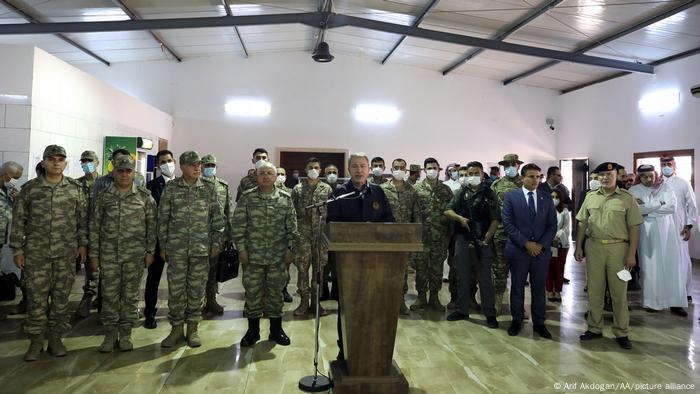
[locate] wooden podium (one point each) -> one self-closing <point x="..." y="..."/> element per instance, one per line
<point x="370" y="260"/>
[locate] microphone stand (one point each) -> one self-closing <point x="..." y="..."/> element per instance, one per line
<point x="318" y="382"/>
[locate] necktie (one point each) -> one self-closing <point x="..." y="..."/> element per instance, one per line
<point x="531" y="203"/>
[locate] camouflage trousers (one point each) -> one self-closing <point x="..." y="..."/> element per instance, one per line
<point x="500" y="267"/>
<point x="120" y="292"/>
<point x="212" y="284"/>
<point x="91" y="282"/>
<point x="306" y="257"/>
<point x="263" y="286"/>
<point x="48" y="279"/>
<point x="428" y="265"/>
<point x="187" y="278"/>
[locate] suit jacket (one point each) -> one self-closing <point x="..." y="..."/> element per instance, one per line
<point x="156" y="188"/>
<point x="521" y="226"/>
<point x="372" y="206"/>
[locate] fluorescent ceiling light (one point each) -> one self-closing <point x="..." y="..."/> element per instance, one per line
<point x="249" y="108"/>
<point x="379" y="114"/>
<point x="660" y="101"/>
<point x="18" y="97"/>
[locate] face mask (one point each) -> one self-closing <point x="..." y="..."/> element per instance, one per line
<point x="259" y="163"/>
<point x="431" y="174"/>
<point x="668" y="171"/>
<point x="11" y="183"/>
<point x="313" y="174"/>
<point x="332" y="178"/>
<point x="281" y="178"/>
<point x="594" y="184"/>
<point x="556" y="202"/>
<point x="464" y="181"/>
<point x="377" y="171"/>
<point x="399" y="175"/>
<point x="209" y="172"/>
<point x="473" y="180"/>
<point x="168" y="169"/>
<point x="88" y="167"/>
<point x="511" y="172"/>
<point x="454" y="175"/>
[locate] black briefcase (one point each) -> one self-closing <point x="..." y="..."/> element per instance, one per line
<point x="227" y="266"/>
<point x="8" y="286"/>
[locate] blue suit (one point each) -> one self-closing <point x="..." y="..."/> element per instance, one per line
<point x="521" y="226"/>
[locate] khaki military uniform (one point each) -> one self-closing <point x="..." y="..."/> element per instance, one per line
<point x="608" y="219"/>
<point x="404" y="206"/>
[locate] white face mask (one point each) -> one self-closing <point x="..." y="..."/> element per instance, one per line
<point x="454" y="175"/>
<point x="168" y="169"/>
<point x="511" y="172"/>
<point x="431" y="174"/>
<point x="473" y="180"/>
<point x="464" y="180"/>
<point x="11" y="183"/>
<point x="556" y="202"/>
<point x="313" y="174"/>
<point x="399" y="175"/>
<point x="594" y="184"/>
<point x="281" y="178"/>
<point x="668" y="171"/>
<point x="259" y="163"/>
<point x="332" y="178"/>
<point x="377" y="171"/>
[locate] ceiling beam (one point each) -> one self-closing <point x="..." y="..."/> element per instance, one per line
<point x="320" y="19"/>
<point x="229" y="12"/>
<point x="602" y="41"/>
<point x="34" y="20"/>
<point x="510" y="29"/>
<point x="135" y="16"/>
<point x="678" y="56"/>
<point x="415" y="23"/>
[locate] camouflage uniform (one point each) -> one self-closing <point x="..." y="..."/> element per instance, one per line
<point x="433" y="201"/>
<point x="224" y="197"/>
<point x="190" y="222"/>
<point x="102" y="183"/>
<point x="500" y="265"/>
<point x="5" y="213"/>
<point x="91" y="278"/>
<point x="49" y="223"/>
<point x="404" y="206"/>
<point x="248" y="182"/>
<point x="380" y="180"/>
<point x="264" y="226"/>
<point x="122" y="231"/>
<point x="304" y="195"/>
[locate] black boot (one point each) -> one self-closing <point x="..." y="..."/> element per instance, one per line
<point x="334" y="290"/>
<point x="253" y="334"/>
<point x="277" y="333"/>
<point x="285" y="294"/>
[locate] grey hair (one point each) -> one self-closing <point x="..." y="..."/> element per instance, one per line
<point x="266" y="164"/>
<point x="357" y="155"/>
<point x="11" y="166"/>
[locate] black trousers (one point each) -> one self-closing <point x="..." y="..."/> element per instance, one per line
<point x="150" y="294"/>
<point x="474" y="266"/>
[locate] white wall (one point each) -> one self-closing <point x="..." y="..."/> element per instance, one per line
<point x="603" y="122"/>
<point x="76" y="110"/>
<point x="453" y="118"/>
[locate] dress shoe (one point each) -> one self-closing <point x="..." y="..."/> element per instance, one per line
<point x="690" y="299"/>
<point x="515" y="328"/>
<point x="679" y="311"/>
<point x="542" y="331"/>
<point x="588" y="335"/>
<point x="492" y="322"/>
<point x="624" y="342"/>
<point x="150" y="323"/>
<point x="650" y="310"/>
<point x="457" y="315"/>
<point x="566" y="281"/>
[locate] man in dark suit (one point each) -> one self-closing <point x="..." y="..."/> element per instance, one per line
<point x="530" y="221"/>
<point x="166" y="165"/>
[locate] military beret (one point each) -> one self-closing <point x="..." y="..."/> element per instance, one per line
<point x="509" y="158"/>
<point x="208" y="159"/>
<point x="88" y="155"/>
<point x="606" y="166"/>
<point x="124" y="162"/>
<point x="190" y="157"/>
<point x="54" y="150"/>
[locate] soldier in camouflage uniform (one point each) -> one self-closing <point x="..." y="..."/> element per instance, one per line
<point x="224" y="197"/>
<point x="102" y="183"/>
<point x="49" y="228"/>
<point x="122" y="242"/>
<point x="377" y="171"/>
<point x="190" y="229"/>
<point x="250" y="181"/>
<point x="511" y="163"/>
<point x="89" y="163"/>
<point x="309" y="191"/>
<point x="265" y="232"/>
<point x="433" y="199"/>
<point x="403" y="200"/>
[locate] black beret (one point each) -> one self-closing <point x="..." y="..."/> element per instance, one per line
<point x="607" y="166"/>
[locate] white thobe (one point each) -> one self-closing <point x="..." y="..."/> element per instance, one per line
<point x="686" y="213"/>
<point x="659" y="251"/>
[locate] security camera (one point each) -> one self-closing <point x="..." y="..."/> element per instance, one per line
<point x="695" y="91"/>
<point x="551" y="128"/>
<point x="550" y="123"/>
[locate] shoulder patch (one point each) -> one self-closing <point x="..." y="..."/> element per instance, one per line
<point x="249" y="191"/>
<point x="285" y="193"/>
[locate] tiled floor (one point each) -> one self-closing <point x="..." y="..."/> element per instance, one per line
<point x="435" y="355"/>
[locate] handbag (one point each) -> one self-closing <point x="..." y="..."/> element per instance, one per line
<point x="8" y="286"/>
<point x="227" y="265"/>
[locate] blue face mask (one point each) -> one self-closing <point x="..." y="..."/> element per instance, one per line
<point x="511" y="172"/>
<point x="668" y="171"/>
<point x="209" y="172"/>
<point x="88" y="167"/>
